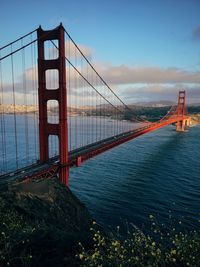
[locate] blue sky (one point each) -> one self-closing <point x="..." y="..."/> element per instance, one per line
<point x="144" y="34"/>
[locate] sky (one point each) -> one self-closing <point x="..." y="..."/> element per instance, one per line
<point x="145" y="49"/>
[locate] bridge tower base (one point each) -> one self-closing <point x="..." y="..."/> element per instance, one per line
<point x="180" y="126"/>
<point x="59" y="94"/>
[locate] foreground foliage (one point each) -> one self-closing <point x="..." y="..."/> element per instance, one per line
<point x="34" y="241"/>
<point x="14" y="238"/>
<point x="165" y="248"/>
<point x="41" y="224"/>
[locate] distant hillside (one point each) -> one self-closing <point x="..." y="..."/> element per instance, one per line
<point x="152" y="110"/>
<point x="161" y="103"/>
<point x="194" y="105"/>
<point x="194" y="109"/>
<point x="9" y="109"/>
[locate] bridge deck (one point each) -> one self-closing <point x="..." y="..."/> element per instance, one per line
<point x="84" y="153"/>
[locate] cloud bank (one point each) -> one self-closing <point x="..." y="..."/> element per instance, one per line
<point x="125" y="74"/>
<point x="131" y="83"/>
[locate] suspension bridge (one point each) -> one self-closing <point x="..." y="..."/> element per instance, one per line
<point x="56" y="111"/>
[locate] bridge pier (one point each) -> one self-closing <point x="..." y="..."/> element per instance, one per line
<point x="180" y="126"/>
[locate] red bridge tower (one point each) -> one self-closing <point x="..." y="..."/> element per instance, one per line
<point x="181" y="112"/>
<point x="60" y="94"/>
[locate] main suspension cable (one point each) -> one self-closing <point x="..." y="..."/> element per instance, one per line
<point x="104" y="82"/>
<point x="96" y="71"/>
<point x="20" y="38"/>
<point x="88" y="81"/>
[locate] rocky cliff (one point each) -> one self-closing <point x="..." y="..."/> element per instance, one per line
<point x="41" y="224"/>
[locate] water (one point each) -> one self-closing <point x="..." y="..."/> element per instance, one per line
<point x="158" y="173"/>
<point x="22" y="149"/>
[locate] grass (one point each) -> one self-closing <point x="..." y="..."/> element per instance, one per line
<point x="161" y="248"/>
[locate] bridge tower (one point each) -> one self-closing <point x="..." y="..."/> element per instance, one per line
<point x="181" y="112"/>
<point x="59" y="94"/>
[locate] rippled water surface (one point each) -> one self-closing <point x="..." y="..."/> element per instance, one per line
<point x="158" y="173"/>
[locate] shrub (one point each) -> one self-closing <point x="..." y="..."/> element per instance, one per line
<point x="161" y="248"/>
<point x="15" y="233"/>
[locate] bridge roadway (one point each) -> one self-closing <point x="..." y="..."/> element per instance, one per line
<point x="77" y="156"/>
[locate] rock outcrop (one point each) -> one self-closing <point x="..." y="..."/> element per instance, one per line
<point x="51" y="218"/>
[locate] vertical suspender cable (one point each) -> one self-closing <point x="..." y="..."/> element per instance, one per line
<point x="2" y="116"/>
<point x="15" y="119"/>
<point x="86" y="94"/>
<point x="76" y="102"/>
<point x="70" y="98"/>
<point x="96" y="102"/>
<point x="89" y="98"/>
<point x="36" y="119"/>
<point x="85" y="103"/>
<point x="33" y="95"/>
<point x="25" y="103"/>
<point x="82" y="97"/>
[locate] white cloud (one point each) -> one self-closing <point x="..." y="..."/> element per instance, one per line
<point x="131" y="83"/>
<point x="156" y="92"/>
<point x="125" y="74"/>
